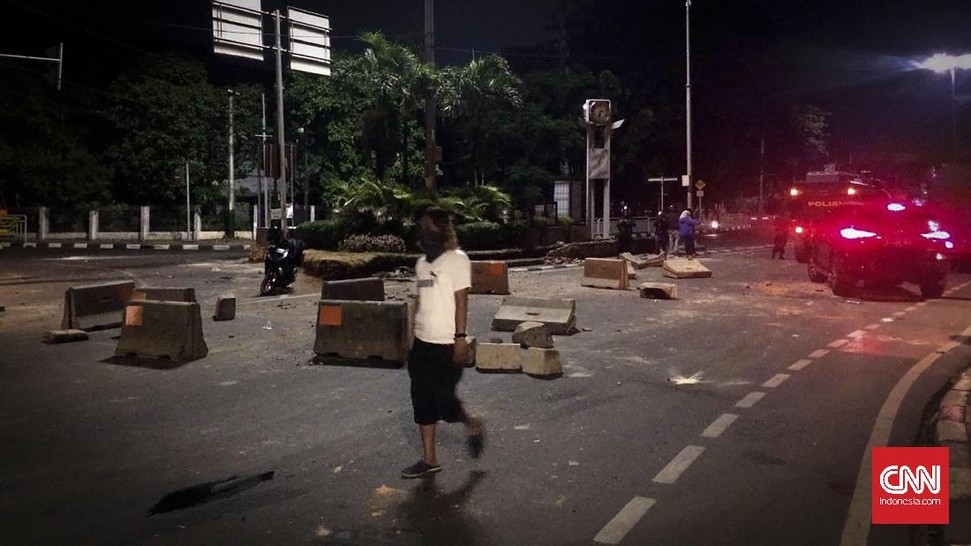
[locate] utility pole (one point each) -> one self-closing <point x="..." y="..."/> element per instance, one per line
<point x="231" y="213"/>
<point x="431" y="148"/>
<point x="188" y="203"/>
<point x="281" y="141"/>
<point x="687" y="86"/>
<point x="264" y="193"/>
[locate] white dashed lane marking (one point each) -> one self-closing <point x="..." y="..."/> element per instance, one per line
<point x="819" y="353"/>
<point x="750" y="399"/>
<point x="719" y="425"/>
<point x="872" y="327"/>
<point x="856" y="335"/>
<point x="838" y="343"/>
<point x="670" y="473"/>
<point x="776" y="380"/>
<point x="617" y="528"/>
<point x="800" y="364"/>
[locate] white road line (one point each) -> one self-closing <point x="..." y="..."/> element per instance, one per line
<point x="160" y="247"/>
<point x="911" y="308"/>
<point x="106" y="246"/>
<point x="856" y="531"/>
<point x="749" y="400"/>
<point x="719" y="425"/>
<point x="625" y="520"/>
<point x="873" y="326"/>
<point x="220" y="247"/>
<point x="190" y="247"/>
<point x="838" y="343"/>
<point x="800" y="364"/>
<point x="670" y="473"/>
<point x="819" y="353"/>
<point x="921" y="304"/>
<point x="856" y="335"/>
<point x="776" y="380"/>
<point x="54" y="245"/>
<point x="80" y="245"/>
<point x="900" y="313"/>
<point x="133" y="247"/>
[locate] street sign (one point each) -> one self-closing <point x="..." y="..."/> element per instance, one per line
<point x="700" y="185"/>
<point x="309" y="42"/>
<point x="276" y="214"/>
<point x="700" y="193"/>
<point x="237" y="28"/>
<point x="685" y="181"/>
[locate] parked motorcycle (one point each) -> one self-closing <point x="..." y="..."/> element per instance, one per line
<point x="283" y="257"/>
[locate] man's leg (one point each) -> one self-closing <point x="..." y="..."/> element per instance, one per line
<point x="428" y="444"/>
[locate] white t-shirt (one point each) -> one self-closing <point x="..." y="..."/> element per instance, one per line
<point x="437" y="284"/>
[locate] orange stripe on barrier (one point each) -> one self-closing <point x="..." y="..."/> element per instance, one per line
<point x="133" y="315"/>
<point x="497" y="268"/>
<point x="330" y="315"/>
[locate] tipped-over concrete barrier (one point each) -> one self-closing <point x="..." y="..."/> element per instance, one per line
<point x="533" y="334"/>
<point x="685" y="269"/>
<point x="558" y="315"/>
<point x="542" y="362"/>
<point x="162" y="329"/>
<point x="659" y="290"/>
<point x="95" y="306"/>
<point x="498" y="356"/>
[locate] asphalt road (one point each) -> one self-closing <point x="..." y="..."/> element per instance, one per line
<point x="738" y="414"/>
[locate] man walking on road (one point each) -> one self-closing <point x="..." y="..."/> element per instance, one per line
<point x="440" y="348"/>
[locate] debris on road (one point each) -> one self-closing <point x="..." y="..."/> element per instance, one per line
<point x="65" y="336"/>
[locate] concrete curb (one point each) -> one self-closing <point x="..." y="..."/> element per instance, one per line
<point x="952" y="430"/>
<point x="129" y="246"/>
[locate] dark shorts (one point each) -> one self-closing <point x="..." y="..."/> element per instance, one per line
<point x="433" y="381"/>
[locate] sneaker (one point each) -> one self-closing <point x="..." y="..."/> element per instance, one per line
<point x="420" y="469"/>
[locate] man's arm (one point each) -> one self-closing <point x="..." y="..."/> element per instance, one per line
<point x="461" y="352"/>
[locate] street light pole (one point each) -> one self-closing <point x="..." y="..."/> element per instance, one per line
<point x="954" y="120"/>
<point x="687" y="87"/>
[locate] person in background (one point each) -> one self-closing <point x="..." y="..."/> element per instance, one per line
<point x="440" y="346"/>
<point x="673" y="234"/>
<point x="661" y="232"/>
<point x="781" y="227"/>
<point x="686" y="229"/>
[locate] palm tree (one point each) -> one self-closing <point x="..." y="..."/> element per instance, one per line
<point x="395" y="79"/>
<point x="471" y="95"/>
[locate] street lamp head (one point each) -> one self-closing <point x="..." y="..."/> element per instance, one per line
<point x="942" y="62"/>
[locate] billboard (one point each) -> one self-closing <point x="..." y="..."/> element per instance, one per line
<point x="309" y="41"/>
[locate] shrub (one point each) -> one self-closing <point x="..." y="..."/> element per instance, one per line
<point x="323" y="234"/>
<point x="514" y="232"/>
<point x="373" y="243"/>
<point x="480" y="235"/>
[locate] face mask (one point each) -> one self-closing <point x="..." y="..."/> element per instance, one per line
<point x="433" y="243"/>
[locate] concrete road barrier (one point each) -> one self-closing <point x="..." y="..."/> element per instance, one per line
<point x="685" y="269"/>
<point x="186" y="295"/>
<point x="366" y="289"/>
<point x="490" y="277"/>
<point x="498" y="357"/>
<point x="559" y="315"/>
<point x="65" y="336"/>
<point x="642" y="261"/>
<point x="363" y="329"/>
<point x="96" y="306"/>
<point x="533" y="334"/>
<point x="225" y="307"/>
<point x="162" y="329"/>
<point x="605" y="273"/>
<point x="542" y="362"/>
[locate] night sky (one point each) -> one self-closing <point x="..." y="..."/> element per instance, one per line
<point x="856" y="58"/>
